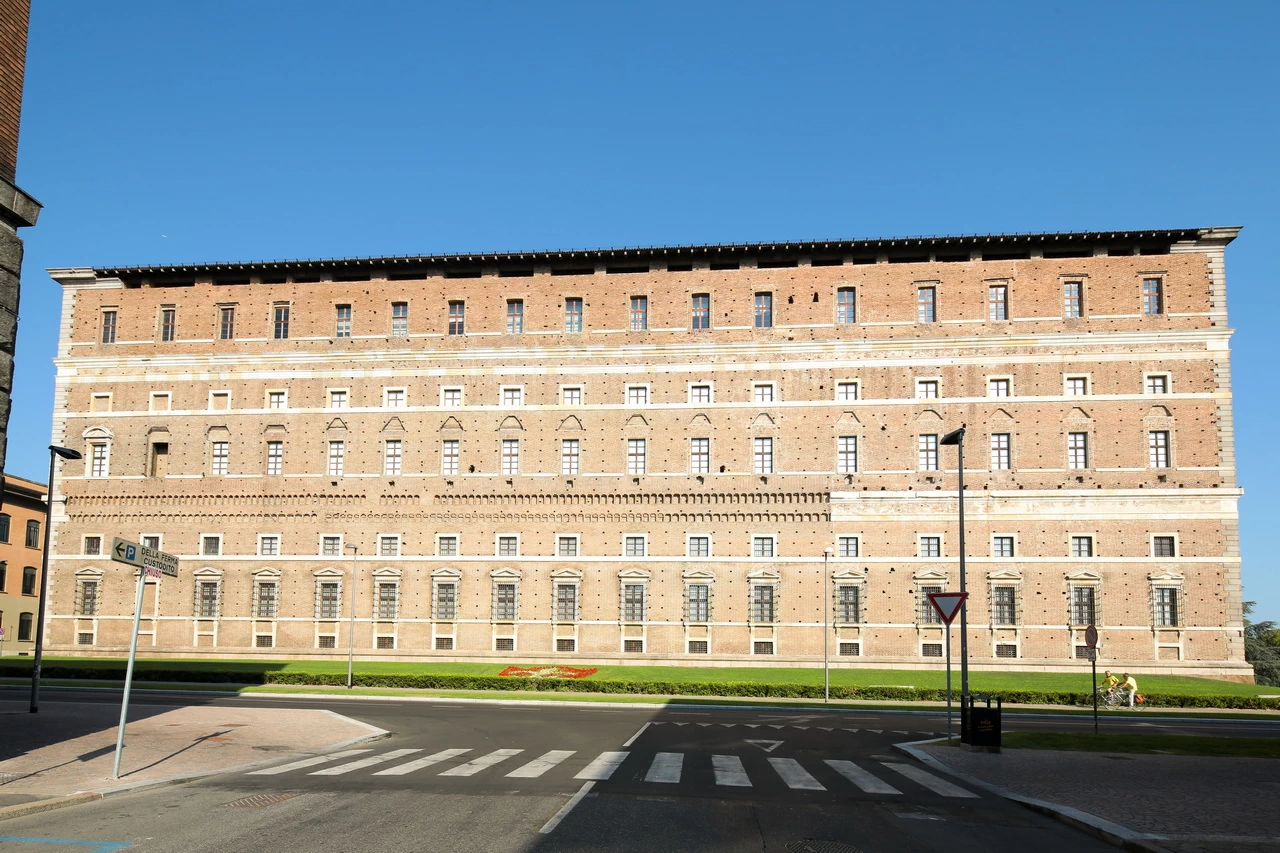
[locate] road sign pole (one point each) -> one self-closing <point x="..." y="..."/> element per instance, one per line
<point x="948" y="682"/>
<point x="128" y="673"/>
<point x="1093" y="660"/>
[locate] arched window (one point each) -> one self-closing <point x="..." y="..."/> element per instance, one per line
<point x="33" y="533"/>
<point x="4" y="527"/>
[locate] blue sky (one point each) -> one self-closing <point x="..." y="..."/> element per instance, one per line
<point x="170" y="132"/>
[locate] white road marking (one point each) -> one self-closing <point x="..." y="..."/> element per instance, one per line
<point x="565" y="809"/>
<point x="475" y="765"/>
<point x="665" y="768"/>
<point x="861" y="778"/>
<point x="796" y="777"/>
<point x="361" y="763"/>
<point x="928" y="780"/>
<point x="307" y="762"/>
<point x="603" y="766"/>
<point x="541" y="765"/>
<point x="632" y="739"/>
<point x="729" y="771"/>
<point x="419" y="763"/>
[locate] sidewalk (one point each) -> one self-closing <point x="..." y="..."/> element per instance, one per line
<point x="69" y="749"/>
<point x="1183" y="804"/>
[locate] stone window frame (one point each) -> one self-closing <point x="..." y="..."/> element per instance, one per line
<point x="328" y="398"/>
<point x="380" y="576"/>
<point x="770" y="578"/>
<point x="89" y="574"/>
<point x="201" y="541"/>
<point x="279" y="544"/>
<point x="388" y="390"/>
<point x="1167" y="376"/>
<point x="143" y="537"/>
<point x="397" y="538"/>
<point x="1089" y="580"/>
<point x="324" y="576"/>
<point x="756" y="537"/>
<point x="709" y="384"/>
<point x="1066" y="384"/>
<point x="97" y="437"/>
<point x="698" y="577"/>
<point x="1093" y="545"/>
<point x="96" y="396"/>
<point x="1177" y="545"/>
<point x="200" y="578"/>
<point x="577" y="545"/>
<point x="497" y="544"/>
<point x="757" y="385"/>
<point x="633" y="577"/>
<point x="689" y="536"/>
<point x="646" y="387"/>
<point x="1013" y="537"/>
<point x="502" y="396"/>
<point x="456" y="536"/>
<point x="446" y="576"/>
<point x="857" y="390"/>
<point x="1167" y="580"/>
<point x="462" y="396"/>
<point x="215" y="393"/>
<point x="156" y="395"/>
<point x="644" y="545"/>
<point x="320" y="544"/>
<point x="284" y="398"/>
<point x="582" y="394"/>
<point x="566" y="577"/>
<point x="846" y="578"/>
<point x="991" y="386"/>
<point x="1005" y="578"/>
<point x="84" y="544"/>
<point x="262" y="577"/>
<point x="942" y="545"/>
<point x="497" y="579"/>
<point x="922" y="582"/>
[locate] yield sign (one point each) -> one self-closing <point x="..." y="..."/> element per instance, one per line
<point x="947" y="604"/>
<point x="770" y="747"/>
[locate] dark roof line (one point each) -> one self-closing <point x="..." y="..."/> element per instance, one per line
<point x="956" y="241"/>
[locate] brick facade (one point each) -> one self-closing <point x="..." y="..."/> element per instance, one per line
<point x="660" y="484"/>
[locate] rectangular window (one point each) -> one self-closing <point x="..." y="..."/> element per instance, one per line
<point x="846" y="313"/>
<point x="331" y="546"/>
<point x="699" y="393"/>
<point x="394" y="398"/>
<point x="399" y="319"/>
<point x="337" y="452"/>
<point x="221" y="458"/>
<point x="457" y="317"/>
<point x="927" y="452"/>
<point x="634" y="546"/>
<point x="998" y="387"/>
<point x="848" y="546"/>
<point x="633" y="647"/>
<point x="1002" y="546"/>
<point x="567" y="546"/>
<point x="571" y="396"/>
<point x="997" y="302"/>
<point x="207" y="599"/>
<point x="699" y="546"/>
<point x="762" y="647"/>
<point x="847" y="454"/>
<point x="211" y="546"/>
<point x="446" y="601"/>
<point x="328" y="602"/>
<point x="449" y="457"/>
<point x="930" y="546"/>
<point x="569" y="457"/>
<point x="637" y="395"/>
<point x="848" y="603"/>
<point x="280" y="325"/>
<point x="1152" y="296"/>
<point x="447" y="546"/>
<point x="633" y="602"/>
<point x="1077" y="386"/>
<point x="508" y="546"/>
<point x="566" y="602"/>
<point x="388" y="601"/>
<point x="926" y="304"/>
<point x="1157" y="383"/>
<point x="168" y="324"/>
<point x="29" y="580"/>
<point x="1072" y="299"/>
<point x="1163" y="546"/>
<point x="1083" y="605"/>
<point x="762" y="392"/>
<point x="226" y="322"/>
<point x="392" y="456"/>
<point x="451" y="398"/>
<point x="573" y="314"/>
<point x="108" y="327"/>
<point x="1166" y="606"/>
<point x="635" y="456"/>
<point x="764" y="311"/>
<point x="515" y="316"/>
<point x="701" y="311"/>
<point x="846" y="391"/>
<point x="98" y="459"/>
<point x="512" y="397"/>
<point x="342" y="321"/>
<point x="326" y="641"/>
<point x="87" y="598"/>
<point x="510" y="456"/>
<point x="1082" y="546"/>
<point x="698" y="602"/>
<point x="337" y="399"/>
<point x="1158" y="449"/>
<point x="92" y="546"/>
<point x="849" y="649"/>
<point x="1000" y="455"/>
<point x="1003" y="610"/>
<point x="926" y="614"/>
<point x="926" y="389"/>
<point x="763" y="455"/>
<point x="762" y="601"/>
<point x="1077" y="450"/>
<point x="504" y="602"/>
<point x="639" y="313"/>
<point x="269" y="546"/>
<point x="277" y="399"/>
<point x="762" y="546"/>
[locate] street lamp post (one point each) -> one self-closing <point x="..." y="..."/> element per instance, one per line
<point x="956" y="437"/>
<point x="351" y="624"/>
<point x="54" y="453"/>
<point x="826" y="626"/>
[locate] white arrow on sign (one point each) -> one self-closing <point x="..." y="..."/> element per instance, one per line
<point x="773" y="744"/>
<point x="947" y="604"/>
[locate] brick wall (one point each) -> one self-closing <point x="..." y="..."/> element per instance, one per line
<point x="14" y="16"/>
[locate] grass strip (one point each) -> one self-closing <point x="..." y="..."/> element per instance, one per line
<point x="1220" y="747"/>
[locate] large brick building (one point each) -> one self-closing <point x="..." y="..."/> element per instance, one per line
<point x="643" y="454"/>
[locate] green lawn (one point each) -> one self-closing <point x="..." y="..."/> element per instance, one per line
<point x="978" y="681"/>
<point x="1231" y="747"/>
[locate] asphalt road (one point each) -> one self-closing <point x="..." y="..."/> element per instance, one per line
<point x="506" y="776"/>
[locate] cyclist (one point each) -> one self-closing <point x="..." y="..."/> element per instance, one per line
<point x="1110" y="683"/>
<point x="1130" y="686"/>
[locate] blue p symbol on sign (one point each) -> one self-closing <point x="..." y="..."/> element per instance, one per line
<point x="130" y="552"/>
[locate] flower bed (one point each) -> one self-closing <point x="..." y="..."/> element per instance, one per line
<point x="546" y="672"/>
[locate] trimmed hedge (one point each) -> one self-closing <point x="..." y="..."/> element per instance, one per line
<point x="587" y="685"/>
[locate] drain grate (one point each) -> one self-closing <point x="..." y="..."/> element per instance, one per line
<point x="259" y="801"/>
<point x="811" y="845"/>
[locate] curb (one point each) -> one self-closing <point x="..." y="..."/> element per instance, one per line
<point x="1109" y="831"/>
<point x="37" y="806"/>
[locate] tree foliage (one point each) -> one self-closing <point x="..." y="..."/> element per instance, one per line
<point x="1262" y="648"/>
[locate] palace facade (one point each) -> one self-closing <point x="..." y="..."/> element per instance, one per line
<point x="706" y="455"/>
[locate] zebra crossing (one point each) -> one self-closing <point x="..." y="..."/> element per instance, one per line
<point x="660" y="768"/>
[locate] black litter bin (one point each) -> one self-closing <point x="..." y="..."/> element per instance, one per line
<point x="983" y="729"/>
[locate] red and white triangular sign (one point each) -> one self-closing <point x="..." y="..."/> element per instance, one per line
<point x="947" y="604"/>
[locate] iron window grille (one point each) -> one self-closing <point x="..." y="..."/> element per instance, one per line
<point x="331" y="546"/>
<point x="1003" y="605"/>
<point x="508" y="546"/>
<point x="762" y="546"/>
<point x="447" y="546"/>
<point x="1084" y="605"/>
<point x="505" y="606"/>
<point x="445" y="606"/>
<point x="1163" y="546"/>
<point x="207" y="599"/>
<point x="388" y="600"/>
<point x="266" y="600"/>
<point x="567" y="546"/>
<point x="566" y="602"/>
<point x="698" y="602"/>
<point x="633" y="602"/>
<point x="328" y="599"/>
<point x="87" y="598"/>
<point x="848" y="603"/>
<point x="763" y="600"/>
<point x="1166" y="600"/>
<point x="389" y="546"/>
<point x="926" y="614"/>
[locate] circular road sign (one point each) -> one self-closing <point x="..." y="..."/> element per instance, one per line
<point x="1091" y="637"/>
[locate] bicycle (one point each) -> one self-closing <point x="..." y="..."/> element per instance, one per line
<point x="1112" y="698"/>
